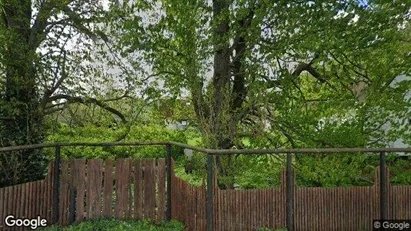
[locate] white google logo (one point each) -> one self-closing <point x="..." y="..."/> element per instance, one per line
<point x="33" y="223"/>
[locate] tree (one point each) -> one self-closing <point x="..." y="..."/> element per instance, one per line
<point x="287" y="64"/>
<point x="44" y="46"/>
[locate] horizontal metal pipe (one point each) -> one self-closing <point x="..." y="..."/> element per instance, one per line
<point x="306" y="151"/>
<point x="76" y="144"/>
<point x="212" y="151"/>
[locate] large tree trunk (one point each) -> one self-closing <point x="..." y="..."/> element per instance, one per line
<point x="228" y="95"/>
<point x="221" y="131"/>
<point x="21" y="119"/>
<point x="221" y="76"/>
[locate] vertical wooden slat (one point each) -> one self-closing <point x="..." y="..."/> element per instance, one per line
<point x="17" y="196"/>
<point x="30" y="200"/>
<point x="78" y="176"/>
<point x="108" y="189"/>
<point x="308" y="203"/>
<point x="183" y="200"/>
<point x="188" y="202"/>
<point x="262" y="209"/>
<point x="250" y="212"/>
<point x="69" y="186"/>
<point x="231" y="209"/>
<point x="88" y="197"/>
<point x="50" y="192"/>
<point x="149" y="193"/>
<point x="201" y="209"/>
<point x="64" y="184"/>
<point x="181" y="195"/>
<point x="118" y="175"/>
<point x="26" y="200"/>
<point x="44" y="198"/>
<point x="176" y="199"/>
<point x="269" y="208"/>
<point x="319" y="205"/>
<point x="13" y="199"/>
<point x="127" y="189"/>
<point x="8" y="201"/>
<point x="138" y="181"/>
<point x="246" y="204"/>
<point x="195" y="208"/>
<point x="94" y="184"/>
<point x="2" y="205"/>
<point x="63" y="189"/>
<point x="219" y="208"/>
<point x="254" y="209"/>
<point x="239" y="208"/>
<point x="122" y="186"/>
<point x="39" y="198"/>
<point x="203" y="205"/>
<point x="161" y="189"/>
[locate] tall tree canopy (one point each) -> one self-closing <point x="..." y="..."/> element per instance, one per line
<point x="284" y="73"/>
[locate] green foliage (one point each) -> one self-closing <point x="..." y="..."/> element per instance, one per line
<point x="115" y="225"/>
<point x="400" y="171"/>
<point x="335" y="170"/>
<point x="91" y="133"/>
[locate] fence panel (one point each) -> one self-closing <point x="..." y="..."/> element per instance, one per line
<point x="27" y="200"/>
<point x="315" y="208"/>
<point x="139" y="190"/>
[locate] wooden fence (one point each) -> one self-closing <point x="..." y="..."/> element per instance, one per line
<point x="135" y="189"/>
<point x="27" y="200"/>
<point x="315" y="208"/>
<point x="119" y="189"/>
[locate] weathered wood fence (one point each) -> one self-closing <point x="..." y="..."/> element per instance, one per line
<point x="126" y="188"/>
<point x="89" y="189"/>
<point x="27" y="200"/>
<point x="315" y="208"/>
<point x="135" y="188"/>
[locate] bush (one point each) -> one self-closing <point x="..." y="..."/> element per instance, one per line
<point x="115" y="225"/>
<point x="91" y="133"/>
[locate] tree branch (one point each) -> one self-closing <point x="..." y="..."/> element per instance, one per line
<point x="76" y="99"/>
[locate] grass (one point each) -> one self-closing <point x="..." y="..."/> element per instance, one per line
<point x="116" y="225"/>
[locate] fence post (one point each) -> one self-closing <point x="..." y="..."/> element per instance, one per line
<point x="383" y="187"/>
<point x="168" y="195"/>
<point x="289" y="193"/>
<point x="210" y="188"/>
<point x="56" y="185"/>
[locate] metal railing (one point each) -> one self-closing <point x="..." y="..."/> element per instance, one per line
<point x="211" y="153"/>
